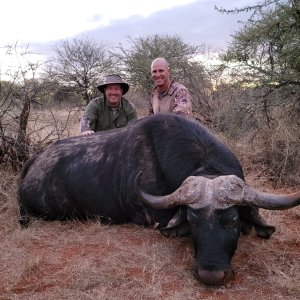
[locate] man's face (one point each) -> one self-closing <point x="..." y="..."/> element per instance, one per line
<point x="113" y="93"/>
<point x="160" y="75"/>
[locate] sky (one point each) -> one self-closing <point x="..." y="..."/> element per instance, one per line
<point x="40" y="24"/>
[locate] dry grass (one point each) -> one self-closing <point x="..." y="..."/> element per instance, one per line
<point x="274" y="151"/>
<point x="88" y="260"/>
<point x="53" y="123"/>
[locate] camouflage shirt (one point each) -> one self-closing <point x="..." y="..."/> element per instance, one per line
<point x="175" y="99"/>
<point x="98" y="116"/>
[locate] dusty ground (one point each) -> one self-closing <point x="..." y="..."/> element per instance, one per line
<point x="86" y="260"/>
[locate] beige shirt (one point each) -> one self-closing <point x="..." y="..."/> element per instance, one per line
<point x="175" y="99"/>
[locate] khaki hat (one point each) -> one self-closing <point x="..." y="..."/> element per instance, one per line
<point x="113" y="79"/>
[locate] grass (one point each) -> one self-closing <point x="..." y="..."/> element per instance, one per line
<point x="89" y="260"/>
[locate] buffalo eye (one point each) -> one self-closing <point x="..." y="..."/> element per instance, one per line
<point x="192" y="216"/>
<point x="195" y="216"/>
<point x="230" y="221"/>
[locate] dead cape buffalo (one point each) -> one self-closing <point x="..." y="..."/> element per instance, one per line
<point x="161" y="169"/>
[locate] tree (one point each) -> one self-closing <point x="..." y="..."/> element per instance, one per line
<point x="264" y="58"/>
<point x="16" y="95"/>
<point x="184" y="65"/>
<point x="267" y="48"/>
<point x="23" y="130"/>
<point x="81" y="63"/>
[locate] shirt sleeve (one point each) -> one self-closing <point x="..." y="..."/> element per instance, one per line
<point x="84" y="124"/>
<point x="150" y="105"/>
<point x="90" y="116"/>
<point x="182" y="102"/>
<point x="151" y="111"/>
<point x="132" y="115"/>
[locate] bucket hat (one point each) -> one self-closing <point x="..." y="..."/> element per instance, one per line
<point x="113" y="79"/>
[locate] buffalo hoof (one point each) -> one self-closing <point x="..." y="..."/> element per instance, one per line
<point x="265" y="232"/>
<point x="214" y="278"/>
<point x="24" y="221"/>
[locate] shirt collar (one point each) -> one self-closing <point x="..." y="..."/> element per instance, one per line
<point x="167" y="90"/>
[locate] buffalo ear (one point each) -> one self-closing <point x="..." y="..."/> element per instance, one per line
<point x="24" y="219"/>
<point x="178" y="226"/>
<point x="178" y="231"/>
<point x="250" y="217"/>
<point x="202" y="171"/>
<point x="265" y="231"/>
<point x="246" y="228"/>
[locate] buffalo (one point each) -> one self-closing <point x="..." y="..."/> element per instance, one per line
<point x="163" y="170"/>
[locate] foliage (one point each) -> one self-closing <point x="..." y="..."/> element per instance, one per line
<point x="267" y="49"/>
<point x="20" y="128"/>
<point x="263" y="59"/>
<point x="81" y="63"/>
<point x="15" y="98"/>
<point x="253" y="97"/>
<point x="137" y="60"/>
<point x="183" y="61"/>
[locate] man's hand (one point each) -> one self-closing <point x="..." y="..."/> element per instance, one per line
<point x="88" y="132"/>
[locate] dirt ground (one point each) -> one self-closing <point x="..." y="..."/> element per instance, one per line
<point x="89" y="260"/>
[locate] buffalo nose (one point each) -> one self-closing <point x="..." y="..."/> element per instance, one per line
<point x="212" y="277"/>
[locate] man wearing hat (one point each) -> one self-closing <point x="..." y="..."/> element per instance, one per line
<point x="111" y="110"/>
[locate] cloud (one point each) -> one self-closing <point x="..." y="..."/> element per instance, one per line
<point x="45" y="21"/>
<point x="197" y="23"/>
<point x="40" y="24"/>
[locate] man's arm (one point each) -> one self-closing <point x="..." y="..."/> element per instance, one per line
<point x="151" y="112"/>
<point x="85" y="126"/>
<point x="150" y="105"/>
<point x="89" y="119"/>
<point x="182" y="102"/>
<point x="132" y="115"/>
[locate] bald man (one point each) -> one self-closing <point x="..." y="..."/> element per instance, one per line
<point x="168" y="95"/>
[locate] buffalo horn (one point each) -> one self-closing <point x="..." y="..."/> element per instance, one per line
<point x="190" y="191"/>
<point x="234" y="191"/>
<point x="220" y="192"/>
<point x="271" y="201"/>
